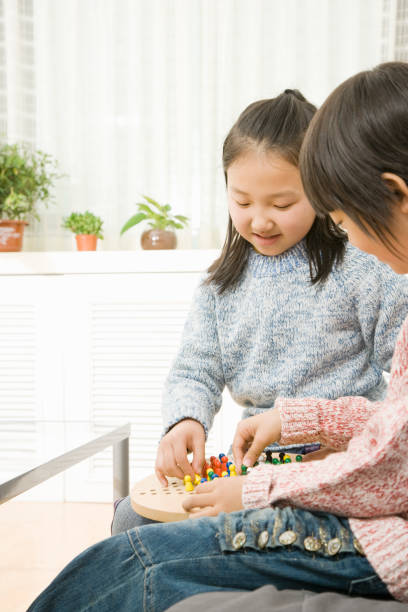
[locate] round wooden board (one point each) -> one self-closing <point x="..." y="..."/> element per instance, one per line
<point x="150" y="499"/>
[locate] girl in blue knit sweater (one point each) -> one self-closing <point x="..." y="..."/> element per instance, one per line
<point x="289" y="309"/>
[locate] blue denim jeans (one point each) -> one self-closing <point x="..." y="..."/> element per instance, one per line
<point x="152" y="567"/>
<point x="125" y="517"/>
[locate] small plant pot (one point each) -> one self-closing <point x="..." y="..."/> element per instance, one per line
<point x="86" y="242"/>
<point x="155" y="239"/>
<point x="11" y="235"/>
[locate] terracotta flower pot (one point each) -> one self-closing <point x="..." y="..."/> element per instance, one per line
<point x="158" y="239"/>
<point x="11" y="235"/>
<point x="86" y="242"/>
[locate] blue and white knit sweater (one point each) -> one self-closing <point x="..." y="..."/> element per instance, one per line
<point x="275" y="334"/>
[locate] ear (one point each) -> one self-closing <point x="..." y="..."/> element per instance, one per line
<point x="398" y="188"/>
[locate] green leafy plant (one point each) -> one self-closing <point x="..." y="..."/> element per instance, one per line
<point x="84" y="223"/>
<point x="27" y="177"/>
<point x="157" y="215"/>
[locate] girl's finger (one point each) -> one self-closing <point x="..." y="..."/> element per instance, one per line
<point x="239" y="447"/>
<point x="177" y="472"/>
<point x="210" y="511"/>
<point x="205" y="487"/>
<point x="160" y="465"/>
<point x="167" y="465"/>
<point x="198" y="455"/>
<point x="161" y="477"/>
<point x="256" y="448"/>
<point x="197" y="501"/>
<point x="181" y="461"/>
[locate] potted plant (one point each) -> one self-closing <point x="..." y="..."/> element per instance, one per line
<point x="26" y="179"/>
<point x="87" y="228"/>
<point x="161" y="234"/>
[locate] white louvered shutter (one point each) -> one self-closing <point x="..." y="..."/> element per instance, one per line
<point x="123" y="333"/>
<point x="90" y="347"/>
<point x="30" y="375"/>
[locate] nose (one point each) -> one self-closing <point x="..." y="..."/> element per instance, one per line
<point x="262" y="223"/>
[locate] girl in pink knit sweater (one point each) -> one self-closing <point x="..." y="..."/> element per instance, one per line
<point x="354" y="166"/>
<point x="338" y="524"/>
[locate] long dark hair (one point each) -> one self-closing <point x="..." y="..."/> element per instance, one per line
<point x="359" y="133"/>
<point x="276" y="125"/>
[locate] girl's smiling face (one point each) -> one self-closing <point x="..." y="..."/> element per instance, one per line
<point x="267" y="203"/>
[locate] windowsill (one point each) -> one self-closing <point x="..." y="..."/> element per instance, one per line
<point x="105" y="262"/>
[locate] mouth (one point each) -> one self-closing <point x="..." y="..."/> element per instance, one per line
<point x="266" y="239"/>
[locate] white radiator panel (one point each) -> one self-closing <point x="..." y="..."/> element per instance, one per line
<point x="132" y="347"/>
<point x="129" y="342"/>
<point x="30" y="371"/>
<point x="18" y="383"/>
<point x="90" y="347"/>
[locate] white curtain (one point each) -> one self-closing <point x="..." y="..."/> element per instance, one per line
<point x="395" y="30"/>
<point x="17" y="70"/>
<point x="136" y="96"/>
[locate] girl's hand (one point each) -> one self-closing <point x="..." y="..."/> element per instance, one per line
<point x="218" y="495"/>
<point x="171" y="460"/>
<point x="253" y="435"/>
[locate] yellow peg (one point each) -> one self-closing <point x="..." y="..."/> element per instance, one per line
<point x="188" y="485"/>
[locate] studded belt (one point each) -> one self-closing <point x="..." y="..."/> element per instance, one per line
<point x="269" y="528"/>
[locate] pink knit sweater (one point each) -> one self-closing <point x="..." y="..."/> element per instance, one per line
<point x="367" y="481"/>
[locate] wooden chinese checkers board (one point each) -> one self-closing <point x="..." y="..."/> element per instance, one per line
<point x="150" y="499"/>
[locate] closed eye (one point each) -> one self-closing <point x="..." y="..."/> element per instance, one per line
<point x="286" y="206"/>
<point x="243" y="204"/>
